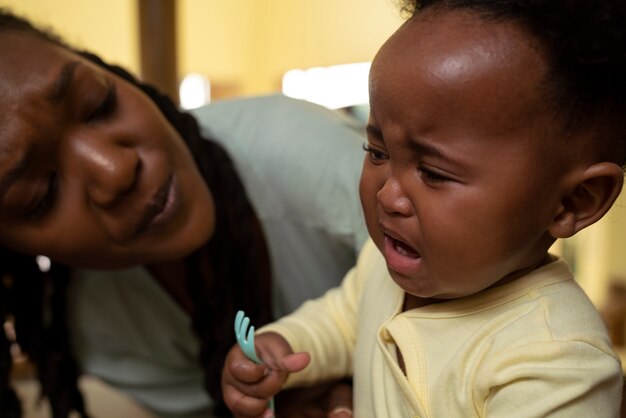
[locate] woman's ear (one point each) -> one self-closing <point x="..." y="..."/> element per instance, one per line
<point x="591" y="197"/>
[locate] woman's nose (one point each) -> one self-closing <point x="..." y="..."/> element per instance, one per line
<point x="109" y="169"/>
<point x="392" y="198"/>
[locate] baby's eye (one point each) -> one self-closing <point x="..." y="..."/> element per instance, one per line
<point x="431" y="176"/>
<point x="374" y="155"/>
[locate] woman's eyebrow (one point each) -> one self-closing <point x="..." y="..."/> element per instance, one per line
<point x="62" y="82"/>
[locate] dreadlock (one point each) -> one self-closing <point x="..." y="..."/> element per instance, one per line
<point x="36" y="300"/>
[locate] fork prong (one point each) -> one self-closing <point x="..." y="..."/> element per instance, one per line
<point x="249" y="347"/>
<point x="244" y="327"/>
<point x="238" y="319"/>
<point x="250" y="336"/>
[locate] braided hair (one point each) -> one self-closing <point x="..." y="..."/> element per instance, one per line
<point x="36" y="300"/>
<point x="585" y="46"/>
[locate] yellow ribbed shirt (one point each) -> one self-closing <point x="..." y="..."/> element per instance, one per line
<point x="534" y="347"/>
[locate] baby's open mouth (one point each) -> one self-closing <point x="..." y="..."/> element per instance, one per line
<point x="401" y="257"/>
<point x="403" y="249"/>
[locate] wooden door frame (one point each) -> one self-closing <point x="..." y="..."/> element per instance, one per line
<point x="157" y="45"/>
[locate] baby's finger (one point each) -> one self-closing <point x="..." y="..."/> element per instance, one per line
<point x="296" y="362"/>
<point x="340" y="401"/>
<point x="267" y="386"/>
<point x="340" y="412"/>
<point x="242" y="405"/>
<point x="246" y="370"/>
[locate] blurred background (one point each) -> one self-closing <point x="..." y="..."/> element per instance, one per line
<point x="320" y="50"/>
<point x="242" y="47"/>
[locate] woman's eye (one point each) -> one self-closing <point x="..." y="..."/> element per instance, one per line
<point x="430" y="176"/>
<point x="45" y="203"/>
<point x="374" y="155"/>
<point x="106" y="106"/>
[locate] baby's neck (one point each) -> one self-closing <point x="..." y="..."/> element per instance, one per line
<point x="414" y="302"/>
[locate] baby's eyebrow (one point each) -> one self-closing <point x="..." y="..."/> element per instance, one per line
<point x="425" y="149"/>
<point x="429" y="150"/>
<point x="418" y="147"/>
<point x="63" y="81"/>
<point x="373" y="131"/>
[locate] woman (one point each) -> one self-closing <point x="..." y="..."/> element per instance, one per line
<point x="154" y="240"/>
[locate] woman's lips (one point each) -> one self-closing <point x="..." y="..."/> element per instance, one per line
<point x="161" y="207"/>
<point x="400" y="257"/>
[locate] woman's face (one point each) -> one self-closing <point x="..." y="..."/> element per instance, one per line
<point x="91" y="173"/>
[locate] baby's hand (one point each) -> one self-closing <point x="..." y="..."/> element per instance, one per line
<point x="248" y="387"/>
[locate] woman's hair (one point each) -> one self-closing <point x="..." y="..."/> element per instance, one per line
<point x="235" y="258"/>
<point x="585" y="46"/>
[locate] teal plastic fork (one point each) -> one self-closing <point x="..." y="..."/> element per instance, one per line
<point x="245" y="338"/>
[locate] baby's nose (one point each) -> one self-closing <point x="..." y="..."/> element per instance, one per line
<point x="392" y="198"/>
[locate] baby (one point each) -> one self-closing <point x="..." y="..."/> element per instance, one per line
<point x="496" y="127"/>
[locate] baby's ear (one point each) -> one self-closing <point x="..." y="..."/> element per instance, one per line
<point x="593" y="194"/>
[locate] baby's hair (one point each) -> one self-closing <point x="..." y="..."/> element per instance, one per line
<point x="585" y="45"/>
<point x="26" y="293"/>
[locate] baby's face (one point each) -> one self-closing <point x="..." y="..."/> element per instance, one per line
<point x="465" y="164"/>
<point x="91" y="173"/>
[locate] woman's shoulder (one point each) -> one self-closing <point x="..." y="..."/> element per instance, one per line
<point x="277" y="119"/>
<point x="273" y="105"/>
<point x="297" y="147"/>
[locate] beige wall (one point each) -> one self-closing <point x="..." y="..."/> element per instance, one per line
<point x="249" y="44"/>
<point x="601" y="252"/>
<point x="242" y="46"/>
<point x="106" y="27"/>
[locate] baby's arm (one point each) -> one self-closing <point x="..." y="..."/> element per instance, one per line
<point x="248" y="387"/>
